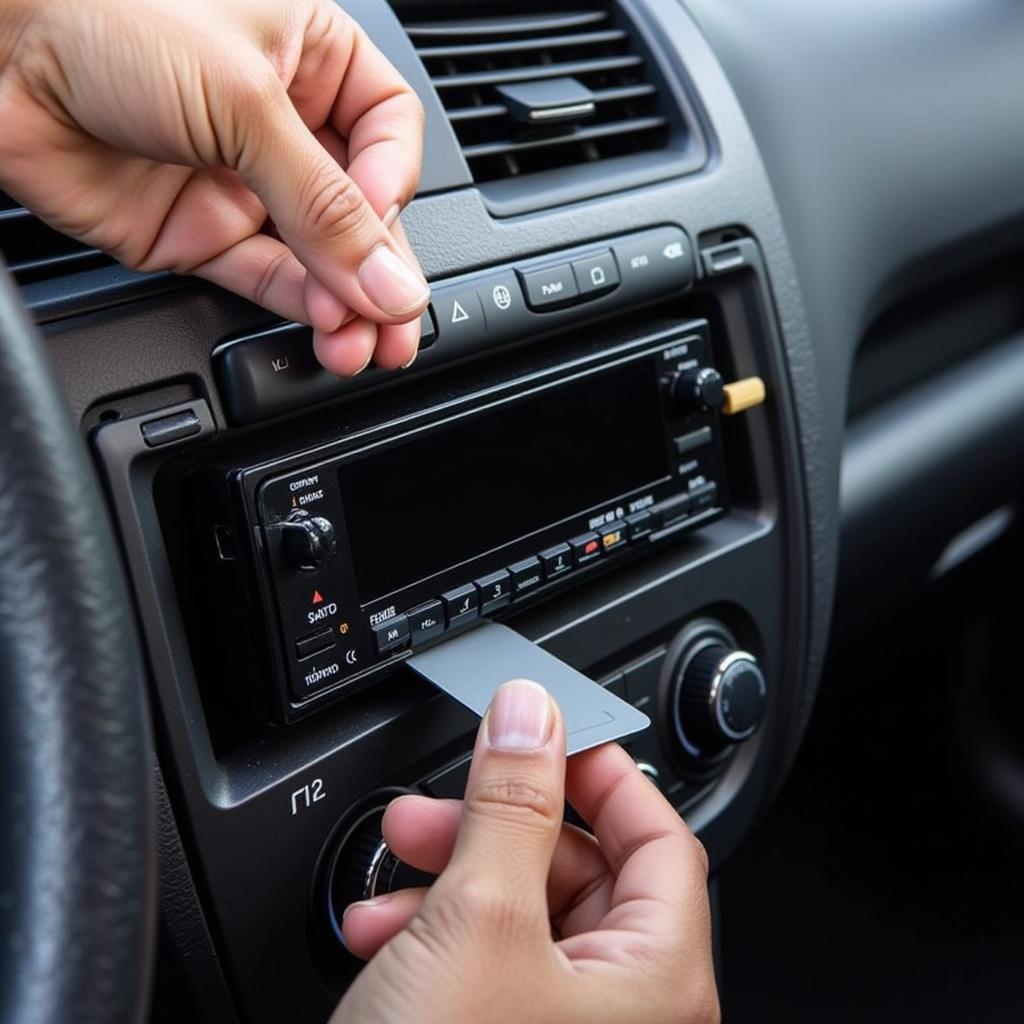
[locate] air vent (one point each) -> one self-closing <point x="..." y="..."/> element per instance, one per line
<point x="36" y="252"/>
<point x="531" y="88"/>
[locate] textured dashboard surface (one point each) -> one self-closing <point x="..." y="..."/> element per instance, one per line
<point x="891" y="133"/>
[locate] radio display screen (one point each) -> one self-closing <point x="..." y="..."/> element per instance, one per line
<point x="418" y="506"/>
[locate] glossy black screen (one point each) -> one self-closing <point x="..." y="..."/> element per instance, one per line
<point x="451" y="493"/>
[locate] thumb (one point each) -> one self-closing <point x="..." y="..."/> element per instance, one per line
<point x="324" y="218"/>
<point x="515" y="796"/>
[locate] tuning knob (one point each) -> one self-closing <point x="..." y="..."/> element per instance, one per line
<point x="720" y="699"/>
<point x="700" y="389"/>
<point x="308" y="541"/>
<point x="363" y="866"/>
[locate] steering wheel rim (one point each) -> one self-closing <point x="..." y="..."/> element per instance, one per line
<point x="77" y="839"/>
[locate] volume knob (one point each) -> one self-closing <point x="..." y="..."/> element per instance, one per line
<point x="700" y="389"/>
<point x="720" y="699"/>
<point x="308" y="541"/>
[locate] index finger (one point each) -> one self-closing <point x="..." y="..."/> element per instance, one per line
<point x="647" y="845"/>
<point x="382" y="119"/>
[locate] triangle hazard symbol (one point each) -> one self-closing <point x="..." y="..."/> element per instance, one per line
<point x="458" y="313"/>
<point x="317" y="597"/>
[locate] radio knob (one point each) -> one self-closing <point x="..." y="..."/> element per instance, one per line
<point x="700" y="389"/>
<point x="720" y="699"/>
<point x="308" y="541"/>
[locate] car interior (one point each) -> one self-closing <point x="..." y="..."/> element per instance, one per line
<point x="720" y="400"/>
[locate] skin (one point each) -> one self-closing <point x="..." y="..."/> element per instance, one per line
<point x="265" y="146"/>
<point x="269" y="147"/>
<point x="534" y="920"/>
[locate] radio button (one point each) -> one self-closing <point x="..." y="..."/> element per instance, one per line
<point x="391" y="633"/>
<point x="551" y="288"/>
<point x="640" y="524"/>
<point x="613" y="536"/>
<point x="526" y="575"/>
<point x="426" y="621"/>
<point x="495" y="590"/>
<point x="692" y="441"/>
<point x="674" y="510"/>
<point x="655" y="262"/>
<point x="586" y="547"/>
<point x="596" y="275"/>
<point x="556" y="560"/>
<point x="703" y="498"/>
<point x="461" y="604"/>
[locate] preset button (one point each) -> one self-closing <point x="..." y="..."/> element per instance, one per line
<point x="526" y="575"/>
<point x="556" y="560"/>
<point x="495" y="590"/>
<point x="586" y="547"/>
<point x="461" y="604"/>
<point x="426" y="621"/>
<point x="391" y="633"/>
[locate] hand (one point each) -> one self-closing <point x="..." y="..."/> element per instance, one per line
<point x="532" y="920"/>
<point x="167" y="132"/>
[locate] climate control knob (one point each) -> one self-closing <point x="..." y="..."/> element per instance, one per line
<point x="700" y="389"/>
<point x="308" y="541"/>
<point x="720" y="699"/>
<point x="363" y="866"/>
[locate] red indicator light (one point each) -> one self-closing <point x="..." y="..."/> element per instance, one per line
<point x="591" y="547"/>
<point x="317" y="597"/>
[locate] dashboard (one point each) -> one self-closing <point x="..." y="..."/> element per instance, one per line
<point x="679" y="359"/>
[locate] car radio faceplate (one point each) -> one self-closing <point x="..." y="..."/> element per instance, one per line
<point x="389" y="540"/>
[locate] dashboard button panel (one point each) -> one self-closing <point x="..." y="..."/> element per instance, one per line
<point x="274" y="371"/>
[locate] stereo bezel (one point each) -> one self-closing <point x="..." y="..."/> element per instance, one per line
<point x="673" y="349"/>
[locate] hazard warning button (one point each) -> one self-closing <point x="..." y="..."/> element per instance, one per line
<point x="460" y="316"/>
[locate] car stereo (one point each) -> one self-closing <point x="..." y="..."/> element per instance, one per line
<point x="390" y="539"/>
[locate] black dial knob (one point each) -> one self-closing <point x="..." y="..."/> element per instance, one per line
<point x="308" y="540"/>
<point x="363" y="866"/>
<point x="700" y="389"/>
<point x="720" y="699"/>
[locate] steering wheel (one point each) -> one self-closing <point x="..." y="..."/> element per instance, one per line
<point x="77" y="820"/>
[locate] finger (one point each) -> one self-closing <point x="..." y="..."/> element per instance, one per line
<point x="398" y="346"/>
<point x="348" y="350"/>
<point x="324" y="310"/>
<point x="262" y="270"/>
<point x="512" y="811"/>
<point x="323" y="216"/>
<point x="369" y="924"/>
<point x="421" y="832"/>
<point x="382" y="119"/>
<point x="648" y="846"/>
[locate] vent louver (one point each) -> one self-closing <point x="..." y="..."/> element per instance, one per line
<point x="500" y="71"/>
<point x="36" y="252"/>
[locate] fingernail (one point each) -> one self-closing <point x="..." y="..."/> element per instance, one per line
<point x="391" y="216"/>
<point x="375" y="902"/>
<point x="519" y="717"/>
<point x="391" y="283"/>
<point x="364" y="366"/>
<point x="416" y="352"/>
